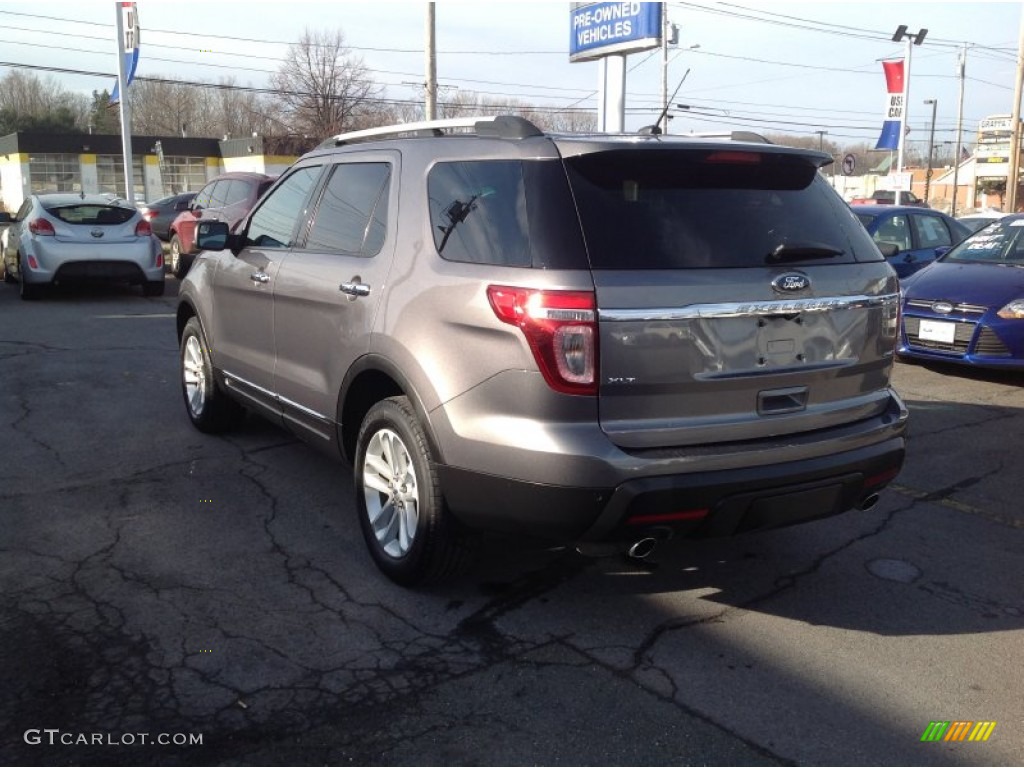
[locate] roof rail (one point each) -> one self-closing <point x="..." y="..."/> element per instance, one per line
<point x="497" y="126"/>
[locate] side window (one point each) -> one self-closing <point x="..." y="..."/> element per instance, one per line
<point x="218" y="193"/>
<point x="202" y="199"/>
<point x="931" y="231"/>
<point x="236" y="192"/>
<point x="275" y="222"/>
<point x="894" y="229"/>
<point x="478" y="212"/>
<point x="353" y="213"/>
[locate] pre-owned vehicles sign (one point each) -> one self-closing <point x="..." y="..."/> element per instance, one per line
<point x="600" y="29"/>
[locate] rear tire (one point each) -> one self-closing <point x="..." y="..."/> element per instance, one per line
<point x="27" y="291"/>
<point x="153" y="288"/>
<point x="412" y="536"/>
<point x="209" y="408"/>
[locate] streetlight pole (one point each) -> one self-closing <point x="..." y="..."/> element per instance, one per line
<point x="931" y="147"/>
<point x="916" y="38"/>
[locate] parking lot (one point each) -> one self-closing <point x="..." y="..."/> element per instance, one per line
<point x="158" y="581"/>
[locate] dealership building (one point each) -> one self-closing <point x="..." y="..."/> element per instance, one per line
<point x="162" y="165"/>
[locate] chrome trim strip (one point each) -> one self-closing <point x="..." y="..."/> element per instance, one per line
<point x="747" y="308"/>
<point x="275" y="397"/>
<point x="304" y="409"/>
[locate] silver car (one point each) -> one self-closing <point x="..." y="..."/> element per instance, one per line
<point x="64" y="238"/>
<point x="583" y="337"/>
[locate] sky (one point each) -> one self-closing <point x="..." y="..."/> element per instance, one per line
<point x="776" y="67"/>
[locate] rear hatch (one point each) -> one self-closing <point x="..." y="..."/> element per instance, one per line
<point x="738" y="297"/>
<point x="93" y="223"/>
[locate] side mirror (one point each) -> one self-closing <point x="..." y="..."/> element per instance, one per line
<point x="212" y="235"/>
<point x="888" y="249"/>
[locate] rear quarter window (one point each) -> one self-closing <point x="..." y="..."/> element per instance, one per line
<point x="512" y="213"/>
<point x="708" y="208"/>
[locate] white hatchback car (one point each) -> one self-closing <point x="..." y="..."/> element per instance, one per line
<point x="62" y="238"/>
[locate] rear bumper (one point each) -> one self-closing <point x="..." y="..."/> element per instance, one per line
<point x="717" y="503"/>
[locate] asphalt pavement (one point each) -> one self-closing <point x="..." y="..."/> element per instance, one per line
<point x="172" y="598"/>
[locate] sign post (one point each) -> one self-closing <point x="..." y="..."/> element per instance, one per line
<point x="127" y="51"/>
<point x="609" y="31"/>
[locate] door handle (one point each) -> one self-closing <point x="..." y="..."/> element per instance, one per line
<point x="260" y="277"/>
<point x="355" y="289"/>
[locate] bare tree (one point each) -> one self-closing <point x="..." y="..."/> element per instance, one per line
<point x="31" y="102"/>
<point x="325" y="89"/>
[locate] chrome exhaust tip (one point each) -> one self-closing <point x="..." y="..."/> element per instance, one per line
<point x="642" y="549"/>
<point x="868" y="502"/>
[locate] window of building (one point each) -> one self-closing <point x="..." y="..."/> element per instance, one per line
<point x="110" y="174"/>
<point x="55" y="172"/>
<point x="183" y="174"/>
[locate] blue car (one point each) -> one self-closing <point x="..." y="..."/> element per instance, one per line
<point x="910" y="237"/>
<point x="968" y="306"/>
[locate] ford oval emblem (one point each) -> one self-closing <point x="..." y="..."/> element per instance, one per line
<point x="942" y="307"/>
<point x="791" y="282"/>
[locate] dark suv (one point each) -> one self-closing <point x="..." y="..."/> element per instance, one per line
<point x="585" y="337"/>
<point x="227" y="198"/>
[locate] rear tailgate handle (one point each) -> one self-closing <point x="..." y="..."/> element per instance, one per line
<point x="788" y="400"/>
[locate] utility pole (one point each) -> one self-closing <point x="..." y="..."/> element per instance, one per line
<point x="961" y="66"/>
<point x="664" y="67"/>
<point x="1012" y="176"/>
<point x="931" y="149"/>
<point x="430" y="105"/>
<point x="821" y="140"/>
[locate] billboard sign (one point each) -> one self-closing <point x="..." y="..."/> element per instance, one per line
<point x="601" y="29"/>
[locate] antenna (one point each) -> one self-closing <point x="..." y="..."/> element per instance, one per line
<point x="657" y="123"/>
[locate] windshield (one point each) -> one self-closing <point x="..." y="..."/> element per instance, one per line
<point x="671" y="209"/>
<point x="1002" y="242"/>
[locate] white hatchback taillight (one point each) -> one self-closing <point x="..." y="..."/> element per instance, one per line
<point x="561" y="329"/>
<point x="143" y="229"/>
<point x="40" y="227"/>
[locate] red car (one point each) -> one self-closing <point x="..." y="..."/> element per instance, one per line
<point x="227" y="198"/>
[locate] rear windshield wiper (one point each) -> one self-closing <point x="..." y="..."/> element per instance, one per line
<point x="800" y="251"/>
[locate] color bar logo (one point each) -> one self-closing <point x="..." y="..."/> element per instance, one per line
<point x="958" y="730"/>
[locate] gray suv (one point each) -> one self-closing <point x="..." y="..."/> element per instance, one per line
<point x="582" y="337"/>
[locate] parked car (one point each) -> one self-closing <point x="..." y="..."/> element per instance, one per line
<point x="976" y="221"/>
<point x="887" y="197"/>
<point x="63" y="238"/>
<point x="161" y="213"/>
<point x="968" y="307"/>
<point x="227" y="198"/>
<point x="909" y="237"/>
<point x="579" y="337"/>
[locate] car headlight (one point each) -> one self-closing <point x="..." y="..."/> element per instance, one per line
<point x="1013" y="311"/>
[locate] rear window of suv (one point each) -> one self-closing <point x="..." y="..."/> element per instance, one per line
<point x="674" y="208"/>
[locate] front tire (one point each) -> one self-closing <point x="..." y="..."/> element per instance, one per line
<point x="209" y="408"/>
<point x="412" y="536"/>
<point x="179" y="261"/>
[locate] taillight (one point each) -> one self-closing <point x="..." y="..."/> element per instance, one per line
<point x="148" y="214"/>
<point x="40" y="227"/>
<point x="143" y="229"/>
<point x="561" y="329"/>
